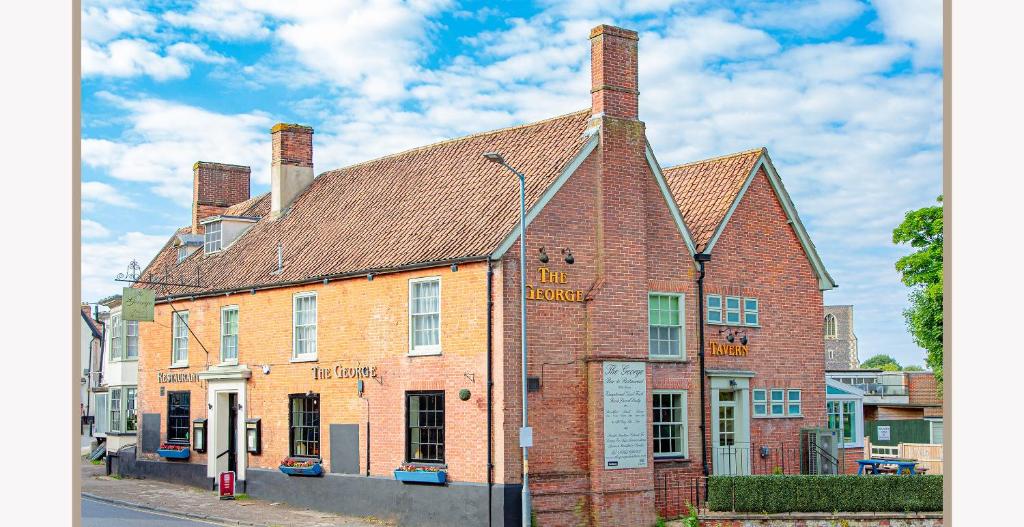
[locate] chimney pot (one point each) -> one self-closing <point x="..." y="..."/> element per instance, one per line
<point x="613" y="72"/>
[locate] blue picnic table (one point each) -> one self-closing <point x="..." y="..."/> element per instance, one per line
<point x="874" y="464"/>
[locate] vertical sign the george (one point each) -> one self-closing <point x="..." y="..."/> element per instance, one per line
<point x="625" y="415"/>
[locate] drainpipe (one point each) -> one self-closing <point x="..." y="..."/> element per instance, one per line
<point x="701" y="259"/>
<point x="490" y="387"/>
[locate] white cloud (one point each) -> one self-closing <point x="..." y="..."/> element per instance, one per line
<point x="103" y="260"/>
<point x="102" y="23"/>
<point x="918" y="22"/>
<point x="130" y="58"/>
<point x="93" y="229"/>
<point x="163" y="139"/>
<point x="97" y="192"/>
<point x="223" y="20"/>
<point x="190" y="51"/>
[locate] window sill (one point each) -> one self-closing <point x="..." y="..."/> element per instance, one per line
<point x="680" y="360"/>
<point x="229" y="362"/>
<point x="672" y="459"/>
<point x="791" y="416"/>
<point x="303" y="359"/>
<point x="443" y="466"/>
<point x="178" y="366"/>
<point x="424" y="353"/>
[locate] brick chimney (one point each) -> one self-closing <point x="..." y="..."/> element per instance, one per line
<point x="291" y="165"/>
<point x="215" y="187"/>
<point x="613" y="72"/>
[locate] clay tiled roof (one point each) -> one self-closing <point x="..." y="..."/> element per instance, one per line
<point x="704" y="190"/>
<point x="431" y="204"/>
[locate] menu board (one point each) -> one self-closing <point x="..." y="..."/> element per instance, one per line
<point x="625" y="415"/>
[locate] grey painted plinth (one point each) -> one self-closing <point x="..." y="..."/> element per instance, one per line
<point x="385" y="498"/>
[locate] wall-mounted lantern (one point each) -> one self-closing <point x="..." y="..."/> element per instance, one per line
<point x="199" y="434"/>
<point x="252" y="436"/>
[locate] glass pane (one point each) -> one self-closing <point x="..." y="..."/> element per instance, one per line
<point x="794" y="409"/>
<point x="749" y="304"/>
<point x="715" y="302"/>
<point x="732" y="302"/>
<point x="759" y="395"/>
<point x="750" y="319"/>
<point x="760" y="409"/>
<point x="776" y="395"/>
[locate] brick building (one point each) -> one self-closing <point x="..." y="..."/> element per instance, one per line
<point x="368" y="318"/>
<point x="840" y="340"/>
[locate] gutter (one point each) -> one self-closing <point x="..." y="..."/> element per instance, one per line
<point x="490" y="388"/>
<point x="252" y="288"/>
<point x="701" y="259"/>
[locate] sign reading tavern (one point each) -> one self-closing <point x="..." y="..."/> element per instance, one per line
<point x="736" y="350"/>
<point x="554" y="294"/>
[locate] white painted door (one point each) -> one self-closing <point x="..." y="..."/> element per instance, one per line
<point x="731" y="443"/>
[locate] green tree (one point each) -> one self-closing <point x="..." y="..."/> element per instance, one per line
<point x="881" y="362"/>
<point x="922" y="272"/>
<point x="913" y="367"/>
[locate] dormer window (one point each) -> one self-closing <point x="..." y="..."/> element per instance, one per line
<point x="212" y="237"/>
<point x="182" y="253"/>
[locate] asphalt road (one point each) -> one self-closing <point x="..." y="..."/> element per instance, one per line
<point x="100" y="514"/>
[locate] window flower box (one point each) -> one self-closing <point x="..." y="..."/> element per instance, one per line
<point x="301" y="467"/>
<point x="421" y="474"/>
<point x="172" y="451"/>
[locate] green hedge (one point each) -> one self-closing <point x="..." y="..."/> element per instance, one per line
<point x="815" y="493"/>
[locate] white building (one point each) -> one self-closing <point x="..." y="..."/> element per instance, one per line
<point x="116" y="399"/>
<point x="90" y="350"/>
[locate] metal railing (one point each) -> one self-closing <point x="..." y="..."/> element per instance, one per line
<point x="885" y="389"/>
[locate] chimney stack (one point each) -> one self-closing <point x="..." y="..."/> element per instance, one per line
<point x="291" y="165"/>
<point x="215" y="187"/>
<point x="613" y="72"/>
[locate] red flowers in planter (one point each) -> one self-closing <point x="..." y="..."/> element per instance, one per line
<point x="297" y="463"/>
<point x="172" y="446"/>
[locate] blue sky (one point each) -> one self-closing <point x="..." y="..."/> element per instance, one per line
<point x="846" y="95"/>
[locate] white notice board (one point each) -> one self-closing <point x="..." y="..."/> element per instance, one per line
<point x="625" y="415"/>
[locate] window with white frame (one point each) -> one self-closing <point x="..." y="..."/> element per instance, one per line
<point x="304" y="326"/>
<point x="115" y="410"/>
<point x="750" y="315"/>
<point x="760" y="403"/>
<point x="831" y="354"/>
<point x="179" y="343"/>
<point x="116" y="338"/>
<point x="830" y="326"/>
<point x="130" y="415"/>
<point x="669" y="423"/>
<point x="229" y="333"/>
<point x="182" y="253"/>
<point x="793" y="403"/>
<point x="424" y="316"/>
<point x="778" y="402"/>
<point x="131" y="339"/>
<point x="732" y="310"/>
<point x="714" y="309"/>
<point x="123" y="417"/>
<point x="212" y="237"/>
<point x="666" y="337"/>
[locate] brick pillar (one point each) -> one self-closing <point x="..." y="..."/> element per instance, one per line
<point x="613" y="72"/>
<point x="215" y="187"/>
<point x="617" y="315"/>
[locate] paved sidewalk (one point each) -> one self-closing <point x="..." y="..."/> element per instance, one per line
<point x="205" y="505"/>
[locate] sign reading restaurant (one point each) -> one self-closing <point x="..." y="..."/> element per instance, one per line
<point x="177" y="377"/>
<point x="553" y="293"/>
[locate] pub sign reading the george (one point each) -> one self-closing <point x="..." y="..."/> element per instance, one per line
<point x="554" y="293"/>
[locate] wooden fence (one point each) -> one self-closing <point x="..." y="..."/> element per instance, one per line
<point x="927" y="456"/>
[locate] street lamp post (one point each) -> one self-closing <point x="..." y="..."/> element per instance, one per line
<point x="525" y="433"/>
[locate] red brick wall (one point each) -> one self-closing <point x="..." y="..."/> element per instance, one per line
<point x="215" y="187"/>
<point x="613" y="72"/>
<point x="759" y="255"/>
<point x="360" y="322"/>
